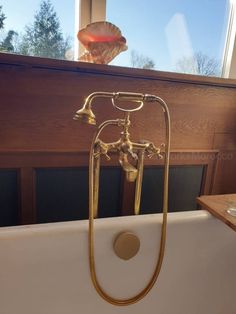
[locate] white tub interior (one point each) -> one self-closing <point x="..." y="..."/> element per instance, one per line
<point x="44" y="268"/>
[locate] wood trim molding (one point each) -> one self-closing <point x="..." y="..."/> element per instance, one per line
<point x="9" y="60"/>
<point x="37" y="159"/>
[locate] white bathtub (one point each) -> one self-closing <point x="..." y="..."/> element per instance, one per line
<point x="44" y="268"/>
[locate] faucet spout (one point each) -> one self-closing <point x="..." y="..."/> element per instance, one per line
<point x="130" y="171"/>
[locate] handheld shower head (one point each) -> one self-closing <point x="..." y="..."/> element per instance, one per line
<point x="85" y="114"/>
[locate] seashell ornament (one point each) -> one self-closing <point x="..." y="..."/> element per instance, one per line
<point x="103" y="41"/>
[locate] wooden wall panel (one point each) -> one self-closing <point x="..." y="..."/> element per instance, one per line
<point x="9" y="198"/>
<point x="27" y="195"/>
<point x="38" y="103"/>
<point x="183" y="190"/>
<point x="225" y="176"/>
<point x="39" y="98"/>
<point x="116" y="195"/>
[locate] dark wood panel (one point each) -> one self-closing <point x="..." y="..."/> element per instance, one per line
<point x="117" y="195"/>
<point x="27" y="195"/>
<point x="185" y="184"/>
<point x="9" y="200"/>
<point x="128" y="196"/>
<point x="110" y="194"/>
<point x="62" y="194"/>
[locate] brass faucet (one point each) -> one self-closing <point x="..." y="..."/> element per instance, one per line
<point x="131" y="158"/>
<point x="126" y="148"/>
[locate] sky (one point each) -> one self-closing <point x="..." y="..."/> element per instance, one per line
<point x="167" y="30"/>
<point x="164" y="31"/>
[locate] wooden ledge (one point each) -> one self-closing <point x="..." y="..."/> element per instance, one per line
<point x="217" y="205"/>
<point x="13" y="60"/>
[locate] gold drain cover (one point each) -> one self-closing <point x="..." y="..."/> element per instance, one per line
<point x="126" y="245"/>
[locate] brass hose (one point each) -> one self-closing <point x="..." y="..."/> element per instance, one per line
<point x="145" y="291"/>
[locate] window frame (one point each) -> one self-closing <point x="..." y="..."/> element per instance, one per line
<point x="95" y="10"/>
<point x="90" y="11"/>
<point x="229" y="56"/>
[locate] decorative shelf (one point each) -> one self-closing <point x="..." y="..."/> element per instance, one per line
<point x="218" y="205"/>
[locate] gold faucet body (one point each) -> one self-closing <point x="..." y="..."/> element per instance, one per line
<point x="130" y="153"/>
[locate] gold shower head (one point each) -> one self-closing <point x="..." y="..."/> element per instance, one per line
<point x="86" y="115"/>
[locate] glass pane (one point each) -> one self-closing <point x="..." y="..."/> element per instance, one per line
<point x="172" y="35"/>
<point x="38" y="28"/>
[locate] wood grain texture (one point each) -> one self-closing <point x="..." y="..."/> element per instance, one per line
<point x="40" y="96"/>
<point x="225" y="176"/>
<point x="38" y="115"/>
<point x="217" y="205"/>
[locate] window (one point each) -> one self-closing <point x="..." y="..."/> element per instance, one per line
<point x="195" y="37"/>
<point x="229" y="60"/>
<point x="38" y="28"/>
<point x="172" y="35"/>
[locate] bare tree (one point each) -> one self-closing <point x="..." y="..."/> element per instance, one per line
<point x="141" y="61"/>
<point x="200" y="64"/>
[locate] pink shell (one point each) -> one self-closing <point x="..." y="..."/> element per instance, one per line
<point x="103" y="42"/>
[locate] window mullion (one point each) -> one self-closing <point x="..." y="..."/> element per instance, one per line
<point x="229" y="59"/>
<point x="98" y="10"/>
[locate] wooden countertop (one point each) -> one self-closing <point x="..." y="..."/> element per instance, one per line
<point x="217" y="205"/>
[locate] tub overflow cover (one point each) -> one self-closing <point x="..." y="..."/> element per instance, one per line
<point x="126" y="245"/>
